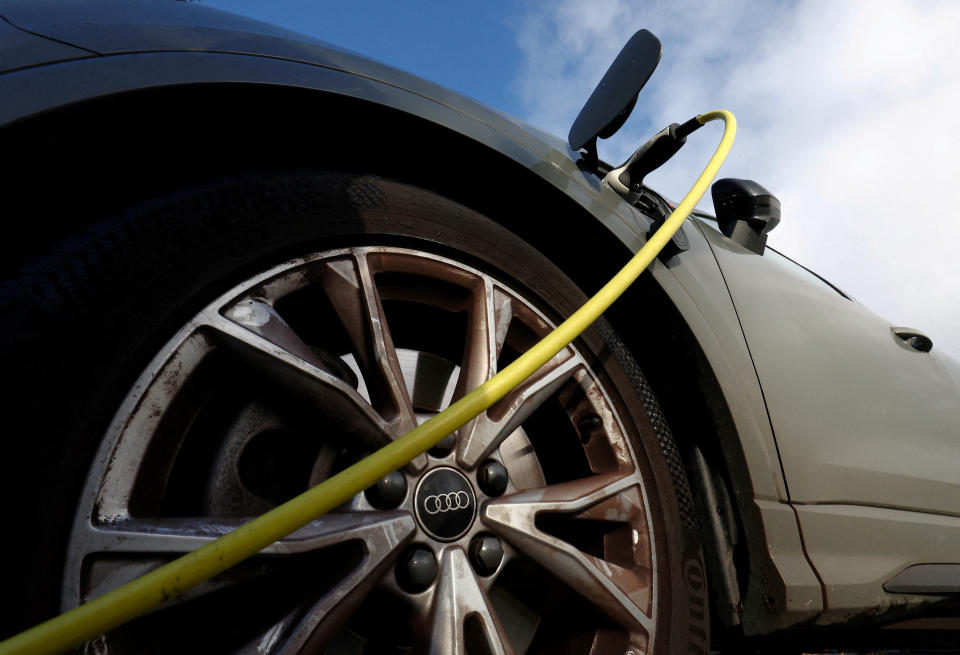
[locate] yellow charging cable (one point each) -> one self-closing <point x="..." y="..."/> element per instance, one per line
<point x="171" y="580"/>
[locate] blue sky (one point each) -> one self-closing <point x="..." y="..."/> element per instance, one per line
<point x="466" y="46"/>
<point x="844" y="109"/>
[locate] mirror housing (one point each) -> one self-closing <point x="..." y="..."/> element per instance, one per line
<point x="746" y="212"/>
<point x="610" y="104"/>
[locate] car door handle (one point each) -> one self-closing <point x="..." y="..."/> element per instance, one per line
<point x="912" y="339"/>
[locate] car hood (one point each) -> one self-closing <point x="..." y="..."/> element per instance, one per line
<point x="112" y="27"/>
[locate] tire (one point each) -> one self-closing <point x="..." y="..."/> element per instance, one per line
<point x="208" y="355"/>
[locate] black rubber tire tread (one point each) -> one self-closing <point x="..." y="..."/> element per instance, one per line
<point x="83" y="320"/>
<point x="668" y="445"/>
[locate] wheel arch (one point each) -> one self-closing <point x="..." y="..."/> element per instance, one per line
<point x="114" y="151"/>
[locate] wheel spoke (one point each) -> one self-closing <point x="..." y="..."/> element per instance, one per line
<point x="383" y="535"/>
<point x="349" y="285"/>
<point x="621" y="591"/>
<point x="340" y="401"/>
<point x="351" y="289"/>
<point x="271" y="639"/>
<point x="458" y="599"/>
<point x="490" y="315"/>
<point x="383" y="541"/>
<point x="484" y="434"/>
<point x="258" y="316"/>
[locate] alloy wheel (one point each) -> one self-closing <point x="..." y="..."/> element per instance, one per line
<point x="527" y="530"/>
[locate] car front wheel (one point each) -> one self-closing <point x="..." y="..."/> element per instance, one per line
<point x="219" y="351"/>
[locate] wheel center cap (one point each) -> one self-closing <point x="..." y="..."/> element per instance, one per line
<point x="445" y="504"/>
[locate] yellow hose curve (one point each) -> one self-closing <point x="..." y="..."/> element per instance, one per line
<point x="171" y="580"/>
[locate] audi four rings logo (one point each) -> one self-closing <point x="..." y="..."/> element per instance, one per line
<point x="440" y="503"/>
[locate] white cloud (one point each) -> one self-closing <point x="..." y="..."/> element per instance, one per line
<point x="847" y="111"/>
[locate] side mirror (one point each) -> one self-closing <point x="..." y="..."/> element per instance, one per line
<point x="746" y="212"/>
<point x="611" y="102"/>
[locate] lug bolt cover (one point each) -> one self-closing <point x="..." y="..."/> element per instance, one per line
<point x="417" y="569"/>
<point x="388" y="492"/>
<point x="493" y="478"/>
<point x="486" y="553"/>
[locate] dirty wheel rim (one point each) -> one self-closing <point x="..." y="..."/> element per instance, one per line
<point x="299" y="371"/>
